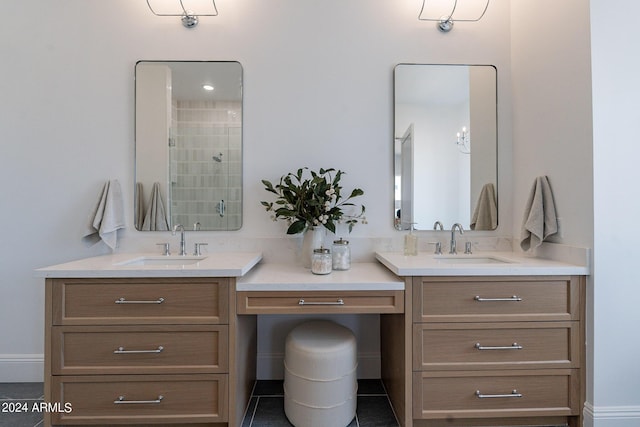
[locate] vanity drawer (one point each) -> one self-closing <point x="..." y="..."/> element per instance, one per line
<point x="496" y="299"/>
<point x="511" y="345"/>
<point x="140" y="301"/>
<point x="463" y="394"/>
<point x="138" y="399"/>
<point x="287" y="302"/>
<point x="139" y="349"/>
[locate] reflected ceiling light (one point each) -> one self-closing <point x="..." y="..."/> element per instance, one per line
<point x="442" y="12"/>
<point x="188" y="10"/>
<point x="207" y="87"/>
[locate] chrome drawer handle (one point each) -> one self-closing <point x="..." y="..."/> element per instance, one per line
<point x="513" y="298"/>
<point x="514" y="346"/>
<point x="339" y="301"/>
<point x="121" y="401"/>
<point x="121" y="350"/>
<point x="514" y="393"/>
<point x="124" y="301"/>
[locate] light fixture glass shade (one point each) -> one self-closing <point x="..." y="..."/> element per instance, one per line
<point x="455" y="10"/>
<point x="182" y="7"/>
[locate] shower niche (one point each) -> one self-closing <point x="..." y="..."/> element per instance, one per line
<point x="188" y="145"/>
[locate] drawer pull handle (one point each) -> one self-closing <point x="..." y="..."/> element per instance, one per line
<point x="121" y="350"/>
<point x="514" y="393"/>
<point x="514" y="346"/>
<point x="124" y="301"/>
<point x="339" y="301"/>
<point x="512" y="299"/>
<point x="122" y="401"/>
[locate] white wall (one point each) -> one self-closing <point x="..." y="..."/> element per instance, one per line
<point x="552" y="110"/>
<point x="317" y="92"/>
<point x="583" y="146"/>
<point x="615" y="292"/>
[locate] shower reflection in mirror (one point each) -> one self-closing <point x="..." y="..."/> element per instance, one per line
<point x="197" y="170"/>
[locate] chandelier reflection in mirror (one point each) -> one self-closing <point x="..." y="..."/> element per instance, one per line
<point x="187" y="10"/>
<point x="463" y="142"/>
<point x="445" y="12"/>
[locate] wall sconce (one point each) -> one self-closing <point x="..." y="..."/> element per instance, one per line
<point x="445" y="10"/>
<point x="188" y="10"/>
<point x="463" y="142"/>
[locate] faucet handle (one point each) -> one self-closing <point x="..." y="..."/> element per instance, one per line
<point x="467" y="248"/>
<point x="165" y="248"/>
<point x="197" y="247"/>
<point x="438" y="248"/>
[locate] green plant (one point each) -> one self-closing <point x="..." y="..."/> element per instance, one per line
<point x="315" y="200"/>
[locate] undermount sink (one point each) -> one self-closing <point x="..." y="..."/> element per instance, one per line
<point x="161" y="260"/>
<point x="467" y="259"/>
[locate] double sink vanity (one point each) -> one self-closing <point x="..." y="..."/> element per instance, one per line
<point x="488" y="340"/>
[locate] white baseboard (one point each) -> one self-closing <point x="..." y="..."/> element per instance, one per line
<point x="21" y="368"/>
<point x="611" y="416"/>
<point x="270" y="366"/>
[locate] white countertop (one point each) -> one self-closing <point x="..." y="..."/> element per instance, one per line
<point x="428" y="264"/>
<point x="223" y="264"/>
<point x="291" y="277"/>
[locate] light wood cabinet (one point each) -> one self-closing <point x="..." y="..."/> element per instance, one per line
<point x="498" y="350"/>
<point x="137" y="351"/>
<point x="299" y="302"/>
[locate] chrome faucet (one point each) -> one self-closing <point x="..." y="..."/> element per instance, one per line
<point x="452" y="250"/>
<point x="438" y="226"/>
<point x="183" y="243"/>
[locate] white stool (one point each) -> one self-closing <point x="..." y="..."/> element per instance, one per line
<point x="320" y="384"/>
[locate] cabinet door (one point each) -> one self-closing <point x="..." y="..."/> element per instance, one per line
<point x="140" y="301"/>
<point x="140" y="399"/>
<point x="496" y="299"/>
<point x="83" y="350"/>
<point x="519" y="393"/>
<point x="256" y="302"/>
<point x="508" y="345"/>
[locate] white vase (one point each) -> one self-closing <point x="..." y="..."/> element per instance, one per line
<point x="313" y="238"/>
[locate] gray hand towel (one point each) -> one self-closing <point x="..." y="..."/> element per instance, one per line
<point x="139" y="203"/>
<point x="540" y="220"/>
<point x="107" y="217"/>
<point x="156" y="217"/>
<point x="485" y="215"/>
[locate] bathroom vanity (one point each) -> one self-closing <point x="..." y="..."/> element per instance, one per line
<point x="492" y="340"/>
<point x="489" y="340"/>
<point x="141" y="339"/>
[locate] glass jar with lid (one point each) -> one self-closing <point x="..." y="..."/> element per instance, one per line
<point x="321" y="261"/>
<point x="341" y="258"/>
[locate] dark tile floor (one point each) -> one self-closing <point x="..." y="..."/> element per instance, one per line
<point x="17" y="404"/>
<point x="266" y="408"/>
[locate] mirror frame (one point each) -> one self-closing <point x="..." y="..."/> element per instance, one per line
<point x="478" y="189"/>
<point x="231" y="180"/>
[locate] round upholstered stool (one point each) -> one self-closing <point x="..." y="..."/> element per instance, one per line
<point x="320" y="383"/>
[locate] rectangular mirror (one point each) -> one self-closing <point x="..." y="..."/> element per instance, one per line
<point x="445" y="148"/>
<point x="188" y="136"/>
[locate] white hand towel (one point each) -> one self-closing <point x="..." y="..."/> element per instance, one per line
<point x="485" y="215"/>
<point x="540" y="219"/>
<point x="107" y="217"/>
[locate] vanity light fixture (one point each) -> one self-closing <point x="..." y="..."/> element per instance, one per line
<point x="463" y="142"/>
<point x="188" y="10"/>
<point x="446" y="9"/>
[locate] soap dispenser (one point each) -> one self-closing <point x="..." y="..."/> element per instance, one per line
<point x="411" y="242"/>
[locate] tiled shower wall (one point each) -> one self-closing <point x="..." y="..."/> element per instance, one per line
<point x="202" y="132"/>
